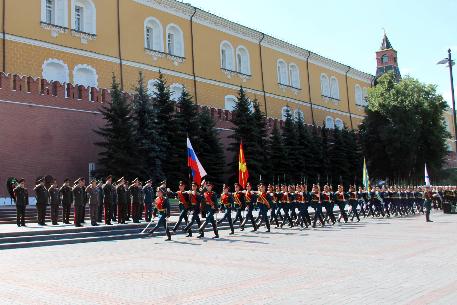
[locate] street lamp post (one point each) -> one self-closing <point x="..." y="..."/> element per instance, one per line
<point x="450" y="63"/>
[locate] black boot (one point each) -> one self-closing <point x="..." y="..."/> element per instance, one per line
<point x="168" y="235"/>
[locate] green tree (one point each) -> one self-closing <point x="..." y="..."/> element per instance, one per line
<point x="261" y="137"/>
<point x="276" y="155"/>
<point x="147" y="138"/>
<point x="290" y="142"/>
<point x="404" y="129"/>
<point x="119" y="151"/>
<point x="304" y="152"/>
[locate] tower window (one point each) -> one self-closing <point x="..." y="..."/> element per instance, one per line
<point x="385" y="59"/>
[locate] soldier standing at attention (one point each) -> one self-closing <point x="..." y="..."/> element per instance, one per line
<point x="66" y="196"/>
<point x="54" y="199"/>
<point x="79" y="197"/>
<point x="92" y="192"/>
<point x="210" y="207"/>
<point x="162" y="209"/>
<point x="114" y="204"/>
<point x="184" y="205"/>
<point x="227" y="203"/>
<point x="100" y="202"/>
<point x="122" y="201"/>
<point x="141" y="205"/>
<point x="135" y="200"/>
<point x="428" y="195"/>
<point x="195" y="201"/>
<point x="21" y="197"/>
<point x="148" y="199"/>
<point x="108" y="196"/>
<point x="42" y="197"/>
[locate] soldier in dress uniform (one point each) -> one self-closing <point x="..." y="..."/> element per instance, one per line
<point x="122" y="201"/>
<point x="100" y="200"/>
<point x="113" y="209"/>
<point x="300" y="202"/>
<point x="316" y="203"/>
<point x="195" y="199"/>
<point x="428" y="195"/>
<point x="21" y="198"/>
<point x="54" y="200"/>
<point x="327" y="202"/>
<point x="210" y="208"/>
<point x="108" y="198"/>
<point x="352" y="195"/>
<point x="92" y="195"/>
<point x="286" y="202"/>
<point x="273" y="206"/>
<point x="239" y="204"/>
<point x="227" y="204"/>
<point x="340" y="198"/>
<point x="79" y="197"/>
<point x="66" y="197"/>
<point x="250" y="199"/>
<point x="42" y="199"/>
<point x="141" y="205"/>
<point x="184" y="205"/>
<point x="162" y="210"/>
<point x="148" y="200"/>
<point x="135" y="199"/>
<point x="264" y="204"/>
<point x="419" y="199"/>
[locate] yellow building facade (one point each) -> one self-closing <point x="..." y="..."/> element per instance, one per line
<point x="86" y="41"/>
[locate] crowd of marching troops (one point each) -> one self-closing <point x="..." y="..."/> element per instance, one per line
<point x="279" y="205"/>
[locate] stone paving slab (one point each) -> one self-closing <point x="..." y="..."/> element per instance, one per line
<point x="376" y="261"/>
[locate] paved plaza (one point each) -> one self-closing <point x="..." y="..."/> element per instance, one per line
<point x="376" y="261"/>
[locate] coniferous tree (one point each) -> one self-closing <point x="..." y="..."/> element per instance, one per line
<point x="315" y="145"/>
<point x="119" y="154"/>
<point x="304" y="153"/>
<point x="276" y="155"/>
<point x="210" y="152"/>
<point x="290" y="142"/>
<point x="261" y="134"/>
<point x="147" y="139"/>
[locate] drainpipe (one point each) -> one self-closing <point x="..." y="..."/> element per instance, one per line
<point x="119" y="44"/>
<point x="261" y="74"/>
<point x="309" y="88"/>
<point x="4" y="37"/>
<point x="347" y="95"/>
<point x="193" y="57"/>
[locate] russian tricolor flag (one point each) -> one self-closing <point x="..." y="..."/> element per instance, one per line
<point x="198" y="172"/>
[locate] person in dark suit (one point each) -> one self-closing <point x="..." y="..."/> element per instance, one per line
<point x="21" y="197"/>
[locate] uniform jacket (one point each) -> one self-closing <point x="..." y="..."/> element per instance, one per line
<point x="92" y="195"/>
<point x="148" y="194"/>
<point x="21" y="196"/>
<point x="42" y="195"/>
<point x="135" y="194"/>
<point x="121" y="195"/>
<point x="108" y="196"/>
<point x="54" y="196"/>
<point x="79" y="196"/>
<point x="66" y="195"/>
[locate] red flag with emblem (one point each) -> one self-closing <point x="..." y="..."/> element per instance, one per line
<point x="243" y="174"/>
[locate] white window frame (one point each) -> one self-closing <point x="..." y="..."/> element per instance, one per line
<point x="227" y="55"/>
<point x="243" y="60"/>
<point x="89" y="24"/>
<point x="329" y="122"/>
<point x="76" y="79"/>
<point x="294" y="77"/>
<point x="178" y="40"/>
<point x="365" y="95"/>
<point x="151" y="86"/>
<point x="79" y="18"/>
<point x="358" y="92"/>
<point x="325" y="85"/>
<point x="230" y="102"/>
<point x="59" y="12"/>
<point x="339" y="124"/>
<point x="283" y="72"/>
<point x="157" y="34"/>
<point x="64" y="66"/>
<point x="334" y="88"/>
<point x="174" y="89"/>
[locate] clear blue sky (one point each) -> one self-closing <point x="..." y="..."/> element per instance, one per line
<point x="351" y="31"/>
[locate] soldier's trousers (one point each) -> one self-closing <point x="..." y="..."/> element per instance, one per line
<point x="66" y="211"/>
<point x="378" y="207"/>
<point x="20" y="215"/>
<point x="342" y="208"/>
<point x="148" y="211"/>
<point x="83" y="215"/>
<point x="140" y="211"/>
<point x="114" y="211"/>
<point x="238" y="215"/>
<point x="121" y="216"/>
<point x="195" y="219"/>
<point x="78" y="215"/>
<point x="286" y="217"/>
<point x="182" y="216"/>
<point x="227" y="216"/>
<point x="329" y="211"/>
<point x="355" y="213"/>
<point x="301" y="218"/>
<point x="107" y="212"/>
<point x="264" y="217"/>
<point x="136" y="212"/>
<point x="54" y="213"/>
<point x="162" y="223"/>
<point x="318" y="214"/>
<point x="100" y="212"/>
<point x="249" y="217"/>
<point x="93" y="214"/>
<point x="361" y="202"/>
<point x="209" y="219"/>
<point x="41" y="213"/>
<point x="274" y="216"/>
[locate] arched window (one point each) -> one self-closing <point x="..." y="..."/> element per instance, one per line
<point x="85" y="75"/>
<point x="283" y="77"/>
<point x="152" y="90"/>
<point x="334" y="88"/>
<point x="385" y="59"/>
<point x="299" y="115"/>
<point x="365" y="95"/>
<point x="176" y="91"/>
<point x="329" y="123"/>
<point x="294" y="76"/>
<point x="54" y="12"/>
<point x="175" y="40"/>
<point x="358" y="95"/>
<point x="55" y="70"/>
<point x="285" y="112"/>
<point x="227" y="56"/>
<point x="83" y="16"/>
<point x="153" y="34"/>
<point x="243" y="64"/>
<point x="325" y="85"/>
<point x="230" y="102"/>
<point x="339" y="124"/>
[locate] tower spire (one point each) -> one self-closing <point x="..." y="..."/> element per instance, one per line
<point x="386" y="59"/>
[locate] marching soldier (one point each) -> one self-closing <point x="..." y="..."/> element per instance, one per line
<point x="327" y="202"/>
<point x="162" y="210"/>
<point x="316" y="203"/>
<point x="92" y="192"/>
<point x="42" y="197"/>
<point x="122" y="201"/>
<point x="239" y="204"/>
<point x="54" y="199"/>
<point x="148" y="200"/>
<point x="210" y="208"/>
<point x="273" y="207"/>
<point x="264" y="204"/>
<point x="79" y="198"/>
<point x="341" y="202"/>
<point x="184" y="205"/>
<point x="353" y="202"/>
<point x="300" y="202"/>
<point x="135" y="199"/>
<point x="108" y="198"/>
<point x="428" y="203"/>
<point x="195" y="201"/>
<point x="66" y="196"/>
<point x="286" y="202"/>
<point x="226" y="203"/>
<point x="21" y="197"/>
<point x="250" y="199"/>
